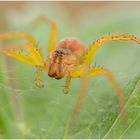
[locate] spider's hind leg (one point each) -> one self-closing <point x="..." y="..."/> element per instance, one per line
<point x="108" y="74"/>
<point x="53" y="31"/>
<point x="102" y="71"/>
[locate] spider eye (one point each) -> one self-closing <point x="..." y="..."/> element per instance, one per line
<point x="61" y="52"/>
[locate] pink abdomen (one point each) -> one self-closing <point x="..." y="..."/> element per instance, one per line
<point x="73" y="44"/>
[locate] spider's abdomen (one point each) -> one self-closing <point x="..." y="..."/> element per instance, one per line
<point x="73" y="44"/>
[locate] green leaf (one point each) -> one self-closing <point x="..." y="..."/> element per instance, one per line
<point x="45" y="113"/>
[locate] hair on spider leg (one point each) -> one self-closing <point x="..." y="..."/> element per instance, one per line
<point x="99" y="66"/>
<point x="109" y="33"/>
<point x="39" y="44"/>
<point x="95" y="62"/>
<point x="38" y="41"/>
<point x="126" y="33"/>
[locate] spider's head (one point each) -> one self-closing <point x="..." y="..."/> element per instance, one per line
<point x="65" y="57"/>
<point x="56" y="66"/>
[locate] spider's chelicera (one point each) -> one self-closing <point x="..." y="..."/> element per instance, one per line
<point x="67" y="58"/>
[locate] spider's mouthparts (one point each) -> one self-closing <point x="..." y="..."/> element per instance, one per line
<point x="56" y="70"/>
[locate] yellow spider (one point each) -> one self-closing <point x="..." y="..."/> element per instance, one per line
<point x="67" y="58"/>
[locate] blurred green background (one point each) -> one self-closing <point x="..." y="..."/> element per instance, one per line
<point x="29" y="112"/>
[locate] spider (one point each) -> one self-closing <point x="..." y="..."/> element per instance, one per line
<point x="66" y="58"/>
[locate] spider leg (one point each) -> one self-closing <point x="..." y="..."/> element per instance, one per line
<point x="52" y="38"/>
<point x="27" y="52"/>
<point x="67" y="84"/>
<point x="34" y="53"/>
<point x="31" y="56"/>
<point x="110" y="77"/>
<point x="90" y="53"/>
<point x="102" y="71"/>
<point x="16" y="54"/>
<point x="38" y="73"/>
<point x="19" y="35"/>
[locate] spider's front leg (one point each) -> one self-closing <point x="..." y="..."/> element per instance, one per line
<point x="91" y="51"/>
<point x="102" y="71"/>
<point x="32" y="55"/>
<point x="26" y="52"/>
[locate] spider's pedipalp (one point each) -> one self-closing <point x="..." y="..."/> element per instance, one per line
<point x="67" y="84"/>
<point x="38" y="73"/>
<point x="90" y="53"/>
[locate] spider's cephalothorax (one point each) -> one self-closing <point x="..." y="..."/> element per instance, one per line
<point x="65" y="57"/>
